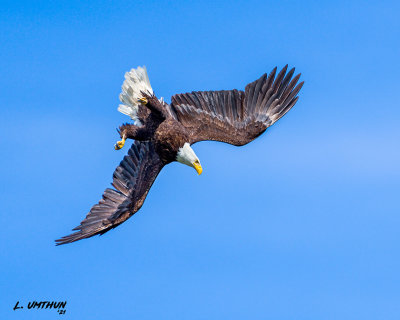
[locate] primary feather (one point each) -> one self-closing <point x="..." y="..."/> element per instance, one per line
<point x="237" y="117"/>
<point x="132" y="180"/>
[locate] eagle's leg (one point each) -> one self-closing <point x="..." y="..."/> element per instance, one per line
<point x="154" y="105"/>
<point x="130" y="131"/>
<point x="119" y="144"/>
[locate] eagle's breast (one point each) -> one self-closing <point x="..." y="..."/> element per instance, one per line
<point x="169" y="137"/>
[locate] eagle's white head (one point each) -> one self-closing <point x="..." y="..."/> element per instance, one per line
<point x="187" y="156"/>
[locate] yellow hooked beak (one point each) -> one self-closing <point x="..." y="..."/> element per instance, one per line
<point x="198" y="167"/>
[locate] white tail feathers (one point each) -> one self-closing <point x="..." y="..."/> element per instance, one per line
<point x="136" y="81"/>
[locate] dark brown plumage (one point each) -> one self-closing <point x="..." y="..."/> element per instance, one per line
<point x="235" y="117"/>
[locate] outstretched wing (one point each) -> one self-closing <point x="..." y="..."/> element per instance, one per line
<point x="132" y="181"/>
<point x="237" y="117"/>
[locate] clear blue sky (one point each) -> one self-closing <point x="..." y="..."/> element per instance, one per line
<point x="303" y="223"/>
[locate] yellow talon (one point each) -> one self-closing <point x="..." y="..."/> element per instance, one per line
<point x="143" y="101"/>
<point x="119" y="144"/>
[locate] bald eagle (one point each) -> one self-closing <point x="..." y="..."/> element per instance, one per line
<point x="164" y="133"/>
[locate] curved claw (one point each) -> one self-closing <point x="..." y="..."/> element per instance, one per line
<point x="143" y="101"/>
<point x="119" y="144"/>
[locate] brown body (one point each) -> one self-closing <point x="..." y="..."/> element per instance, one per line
<point x="168" y="142"/>
<point x="159" y="127"/>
